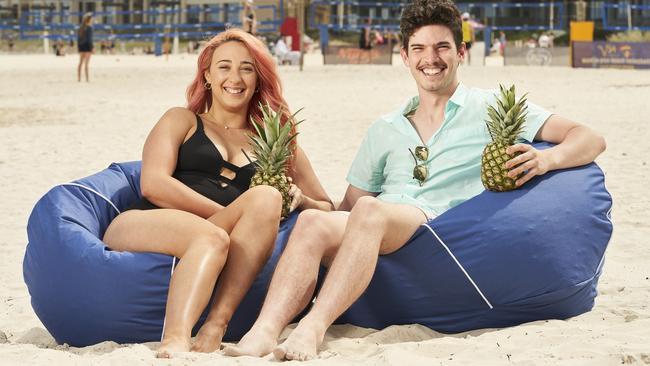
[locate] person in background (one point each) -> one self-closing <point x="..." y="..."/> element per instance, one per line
<point x="502" y="41"/>
<point x="59" y="47"/>
<point x="110" y="43"/>
<point x="532" y="41"/>
<point x="544" y="41"/>
<point x="468" y="35"/>
<point x="85" y="44"/>
<point x="10" y="42"/>
<point x="365" y="41"/>
<point x="249" y="18"/>
<point x="283" y="54"/>
<point x="379" y="38"/>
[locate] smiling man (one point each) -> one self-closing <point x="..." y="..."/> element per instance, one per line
<point x="413" y="164"/>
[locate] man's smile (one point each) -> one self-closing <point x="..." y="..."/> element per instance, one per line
<point x="432" y="70"/>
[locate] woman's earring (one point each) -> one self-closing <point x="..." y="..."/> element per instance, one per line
<point x="207" y="85"/>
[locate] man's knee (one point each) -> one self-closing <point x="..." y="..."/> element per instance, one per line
<point x="311" y="223"/>
<point x="367" y="204"/>
<point x="368" y="211"/>
<point x="315" y="230"/>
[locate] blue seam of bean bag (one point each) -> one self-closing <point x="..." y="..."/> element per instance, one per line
<point x="459" y="265"/>
<point x="74" y="184"/>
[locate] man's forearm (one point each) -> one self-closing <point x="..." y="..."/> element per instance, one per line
<point x="581" y="146"/>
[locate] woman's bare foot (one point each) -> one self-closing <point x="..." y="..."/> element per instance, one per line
<point x="169" y="347"/>
<point x="302" y="344"/>
<point x="257" y="343"/>
<point x="209" y="338"/>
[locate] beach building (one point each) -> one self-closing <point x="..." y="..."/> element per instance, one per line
<point x="350" y="14"/>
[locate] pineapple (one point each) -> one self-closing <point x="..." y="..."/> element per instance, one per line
<point x="272" y="151"/>
<point x="505" y="123"/>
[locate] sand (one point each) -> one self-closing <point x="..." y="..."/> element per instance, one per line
<point x="53" y="130"/>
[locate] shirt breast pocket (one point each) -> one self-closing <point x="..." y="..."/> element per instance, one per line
<point x="464" y="145"/>
<point x="399" y="166"/>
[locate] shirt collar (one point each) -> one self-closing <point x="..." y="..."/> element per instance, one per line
<point x="460" y="95"/>
<point x="457" y="99"/>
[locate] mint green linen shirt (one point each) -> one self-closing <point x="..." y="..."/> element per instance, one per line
<point x="384" y="164"/>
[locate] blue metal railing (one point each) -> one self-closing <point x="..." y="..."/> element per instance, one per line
<point x="353" y="22"/>
<point x="31" y="26"/>
<point x="630" y="10"/>
<point x="616" y="17"/>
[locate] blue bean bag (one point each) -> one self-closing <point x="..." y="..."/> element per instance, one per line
<point x="498" y="259"/>
<point x="85" y="293"/>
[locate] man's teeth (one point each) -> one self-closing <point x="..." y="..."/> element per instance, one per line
<point x="430" y="71"/>
<point x="234" y="90"/>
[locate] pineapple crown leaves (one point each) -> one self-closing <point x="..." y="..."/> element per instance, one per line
<point x="506" y="121"/>
<point x="271" y="144"/>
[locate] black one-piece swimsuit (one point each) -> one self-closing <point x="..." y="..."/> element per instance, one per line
<point x="199" y="167"/>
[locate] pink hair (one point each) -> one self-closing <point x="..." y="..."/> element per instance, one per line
<point x="199" y="99"/>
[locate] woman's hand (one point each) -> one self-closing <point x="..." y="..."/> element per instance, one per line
<point x="296" y="197"/>
<point x="531" y="161"/>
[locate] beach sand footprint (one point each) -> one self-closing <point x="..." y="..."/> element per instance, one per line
<point x="640" y="358"/>
<point x="3" y="338"/>
<point x="36" y="116"/>
<point x="38" y="337"/>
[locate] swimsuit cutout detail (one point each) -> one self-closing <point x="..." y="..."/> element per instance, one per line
<point x="199" y="167"/>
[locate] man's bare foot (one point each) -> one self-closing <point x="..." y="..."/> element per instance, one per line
<point x="257" y="343"/>
<point x="169" y="347"/>
<point x="302" y="344"/>
<point x="209" y="338"/>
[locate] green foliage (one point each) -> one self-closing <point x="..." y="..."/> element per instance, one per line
<point x="630" y="36"/>
<point x="506" y="121"/>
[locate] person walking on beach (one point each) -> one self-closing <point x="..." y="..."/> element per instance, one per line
<point x="85" y="44"/>
<point x="365" y="42"/>
<point x="197" y="205"/>
<point x="10" y="42"/>
<point x="386" y="202"/>
<point x="468" y="35"/>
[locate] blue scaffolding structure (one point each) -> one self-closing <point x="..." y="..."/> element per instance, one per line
<point x="32" y="25"/>
<point x="633" y="17"/>
<point x="344" y="15"/>
<point x="387" y="14"/>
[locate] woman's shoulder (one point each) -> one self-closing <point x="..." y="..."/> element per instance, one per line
<point x="180" y="113"/>
<point x="178" y="116"/>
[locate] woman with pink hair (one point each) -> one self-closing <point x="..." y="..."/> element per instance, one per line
<point x="196" y="204"/>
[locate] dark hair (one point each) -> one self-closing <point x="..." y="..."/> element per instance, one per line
<point x="419" y="13"/>
<point x="85" y="23"/>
